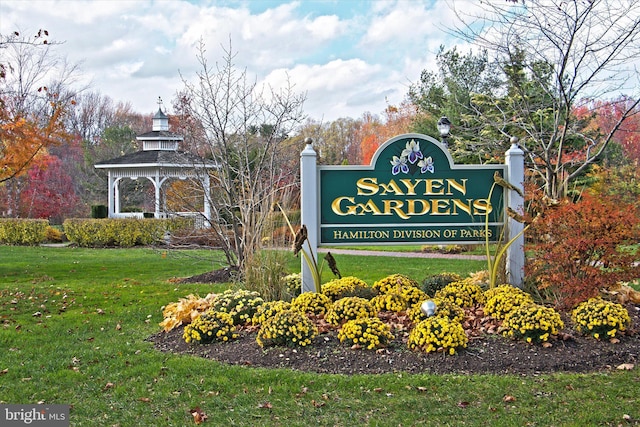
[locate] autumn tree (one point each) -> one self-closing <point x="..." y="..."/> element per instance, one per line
<point x="555" y="58"/>
<point x="34" y="97"/>
<point x="105" y="130"/>
<point x="49" y="192"/>
<point x="605" y="116"/>
<point x="336" y="141"/>
<point x="30" y="107"/>
<point x="245" y="128"/>
<point x="374" y="131"/>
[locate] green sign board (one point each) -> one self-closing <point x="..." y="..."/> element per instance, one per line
<point x="410" y="193"/>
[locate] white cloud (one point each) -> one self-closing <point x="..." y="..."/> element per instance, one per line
<point x="349" y="59"/>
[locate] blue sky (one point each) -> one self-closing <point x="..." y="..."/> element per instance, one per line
<point x="348" y="56"/>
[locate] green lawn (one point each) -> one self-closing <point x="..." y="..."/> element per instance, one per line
<point x="75" y="323"/>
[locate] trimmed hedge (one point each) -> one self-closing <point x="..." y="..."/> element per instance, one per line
<point x="121" y="232"/>
<point x="19" y="231"/>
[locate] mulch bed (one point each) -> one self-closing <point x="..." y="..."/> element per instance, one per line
<point x="487" y="353"/>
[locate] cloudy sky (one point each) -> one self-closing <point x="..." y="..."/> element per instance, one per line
<point x="349" y="56"/>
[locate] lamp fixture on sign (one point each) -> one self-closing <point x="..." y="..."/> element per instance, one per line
<point x="444" y="127"/>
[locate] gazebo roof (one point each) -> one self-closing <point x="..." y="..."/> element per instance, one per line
<point x="156" y="158"/>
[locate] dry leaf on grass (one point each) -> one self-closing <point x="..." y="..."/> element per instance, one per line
<point x="317" y="404"/>
<point x="198" y="415"/>
<point x="626" y="366"/>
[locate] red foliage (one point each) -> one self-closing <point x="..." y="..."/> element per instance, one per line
<point x="49" y="192"/>
<point x="373" y="132"/>
<point x="577" y="248"/>
<point x="368" y="146"/>
<point x="602" y="116"/>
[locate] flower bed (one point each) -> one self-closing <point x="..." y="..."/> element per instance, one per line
<point x="464" y="312"/>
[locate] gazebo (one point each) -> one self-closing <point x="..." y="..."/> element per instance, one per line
<point x="158" y="161"/>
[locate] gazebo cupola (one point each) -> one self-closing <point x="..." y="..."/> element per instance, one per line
<point x="160" y="138"/>
<point x="160" y="121"/>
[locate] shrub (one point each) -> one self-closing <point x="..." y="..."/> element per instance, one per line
<point x="413" y="295"/>
<point x="433" y="284"/>
<point x="293" y="283"/>
<point x="464" y="293"/>
<point x="99" y="211"/>
<point x="448" y="249"/>
<point x="288" y="328"/>
<point x="241" y="304"/>
<point x="269" y="309"/>
<point x="393" y="282"/>
<point x="532" y="322"/>
<point x="505" y="287"/>
<point x="370" y="332"/>
<point x="437" y="333"/>
<point x="390" y="301"/>
<point x="210" y="326"/>
<point x="185" y="310"/>
<point x="576" y="249"/>
<point x="121" y="232"/>
<point x="600" y="318"/>
<point x="349" y="308"/>
<point x="53" y="235"/>
<point x="311" y="302"/>
<point x="481" y="278"/>
<point x="345" y="287"/>
<point x="621" y="182"/>
<point x="14" y="231"/>
<point x="503" y="299"/>
<point x="444" y="308"/>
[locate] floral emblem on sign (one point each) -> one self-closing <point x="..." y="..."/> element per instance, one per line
<point x="409" y="156"/>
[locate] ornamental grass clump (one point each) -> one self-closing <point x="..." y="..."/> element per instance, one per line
<point x="532" y="322"/>
<point x="368" y="332"/>
<point x="391" y="301"/>
<point x="503" y="299"/>
<point x="464" y="293"/>
<point x="268" y="310"/>
<point x="210" y="326"/>
<point x="289" y="328"/>
<point x="240" y="304"/>
<point x="394" y="282"/>
<point x="349" y="308"/>
<point x="346" y="287"/>
<point x="437" y="333"/>
<point x="600" y="318"/>
<point x="311" y="302"/>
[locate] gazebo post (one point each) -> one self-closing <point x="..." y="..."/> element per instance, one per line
<point x="111" y="206"/>
<point x="156" y="184"/>
<point x="116" y="196"/>
<point x="206" y="183"/>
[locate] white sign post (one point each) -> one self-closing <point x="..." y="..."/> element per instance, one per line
<point x="309" y="209"/>
<point x="514" y="159"/>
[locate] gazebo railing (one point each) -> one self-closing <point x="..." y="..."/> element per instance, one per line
<point x="198" y="217"/>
